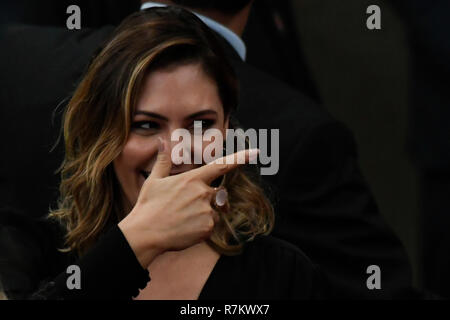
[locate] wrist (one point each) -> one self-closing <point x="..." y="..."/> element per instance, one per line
<point x="144" y="246"/>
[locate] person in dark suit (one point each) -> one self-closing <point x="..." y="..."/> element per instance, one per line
<point x="323" y="203"/>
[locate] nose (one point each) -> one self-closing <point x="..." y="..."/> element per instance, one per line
<point x="185" y="148"/>
<point x="179" y="150"/>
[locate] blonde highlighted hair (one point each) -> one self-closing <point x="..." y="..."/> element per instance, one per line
<point x="97" y="122"/>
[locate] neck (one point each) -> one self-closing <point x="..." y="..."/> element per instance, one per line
<point x="235" y="22"/>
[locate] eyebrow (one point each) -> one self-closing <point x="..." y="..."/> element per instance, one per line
<point x="192" y="116"/>
<point x="201" y="113"/>
<point x="151" y="114"/>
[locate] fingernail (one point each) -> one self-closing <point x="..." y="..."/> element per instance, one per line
<point x="252" y="154"/>
<point x="161" y="146"/>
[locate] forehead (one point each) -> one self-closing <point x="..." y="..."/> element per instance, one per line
<point x="179" y="91"/>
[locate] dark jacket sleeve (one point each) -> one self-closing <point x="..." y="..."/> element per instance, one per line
<point x="31" y="268"/>
<point x="110" y="270"/>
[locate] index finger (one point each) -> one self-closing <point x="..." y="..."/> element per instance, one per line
<point x="219" y="167"/>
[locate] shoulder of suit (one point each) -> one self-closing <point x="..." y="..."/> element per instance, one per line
<point x="276" y="98"/>
<point x="260" y="78"/>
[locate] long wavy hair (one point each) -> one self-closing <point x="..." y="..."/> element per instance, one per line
<point x="97" y="122"/>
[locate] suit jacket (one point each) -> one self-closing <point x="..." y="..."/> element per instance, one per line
<point x="322" y="202"/>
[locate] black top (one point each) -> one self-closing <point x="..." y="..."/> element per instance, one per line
<point x="32" y="268"/>
<point x="268" y="268"/>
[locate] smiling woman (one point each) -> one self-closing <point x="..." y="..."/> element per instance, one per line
<point x="128" y="212"/>
<point x="165" y="78"/>
<point x="171" y="98"/>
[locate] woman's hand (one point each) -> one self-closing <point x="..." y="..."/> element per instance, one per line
<point x="174" y="212"/>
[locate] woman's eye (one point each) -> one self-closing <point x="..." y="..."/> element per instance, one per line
<point x="206" y="123"/>
<point x="145" y="125"/>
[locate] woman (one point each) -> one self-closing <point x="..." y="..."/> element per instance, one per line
<point x="128" y="213"/>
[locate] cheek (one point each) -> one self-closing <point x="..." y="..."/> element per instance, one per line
<point x="135" y="156"/>
<point x="130" y="154"/>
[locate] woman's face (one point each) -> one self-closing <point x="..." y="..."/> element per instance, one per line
<point x="170" y="99"/>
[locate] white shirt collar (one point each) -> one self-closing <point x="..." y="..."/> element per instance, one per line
<point x="233" y="39"/>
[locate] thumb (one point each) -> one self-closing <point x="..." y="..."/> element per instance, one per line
<point x="163" y="163"/>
